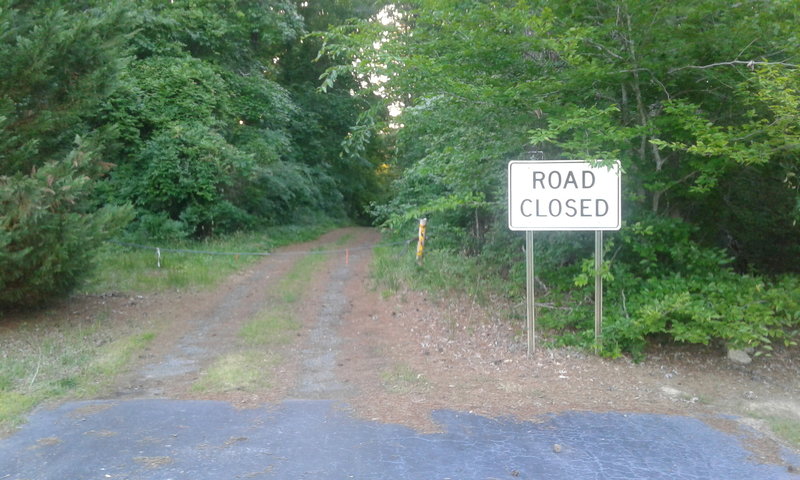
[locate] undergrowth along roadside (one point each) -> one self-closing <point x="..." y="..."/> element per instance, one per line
<point x="121" y="268"/>
<point x="53" y="358"/>
<point x="394" y="268"/>
<point x="448" y="274"/>
<point x="706" y="303"/>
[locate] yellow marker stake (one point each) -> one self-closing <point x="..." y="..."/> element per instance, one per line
<point x="421" y="242"/>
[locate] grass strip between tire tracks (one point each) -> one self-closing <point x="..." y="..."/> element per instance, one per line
<point x="250" y="367"/>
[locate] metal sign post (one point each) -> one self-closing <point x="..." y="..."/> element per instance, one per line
<point x="531" y="304"/>
<point x="556" y="195"/>
<point x="598" y="289"/>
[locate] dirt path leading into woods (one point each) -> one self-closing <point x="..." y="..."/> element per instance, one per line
<point x="396" y="359"/>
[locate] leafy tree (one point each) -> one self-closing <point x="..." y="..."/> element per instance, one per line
<point x="328" y="118"/>
<point x="692" y="99"/>
<point x="696" y="99"/>
<point x="243" y="35"/>
<point x="49" y="229"/>
<point x="219" y="127"/>
<point x="58" y="61"/>
<point x="173" y="160"/>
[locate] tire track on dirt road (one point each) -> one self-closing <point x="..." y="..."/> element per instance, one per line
<point x="317" y="379"/>
<point x="201" y="327"/>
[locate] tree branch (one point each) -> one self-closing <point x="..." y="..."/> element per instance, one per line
<point x="749" y="63"/>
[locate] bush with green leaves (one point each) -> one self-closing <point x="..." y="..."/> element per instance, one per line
<point x="49" y="230"/>
<point x="721" y="308"/>
<point x="214" y="136"/>
<point x="661" y="286"/>
<point x="58" y="62"/>
<point x="183" y="171"/>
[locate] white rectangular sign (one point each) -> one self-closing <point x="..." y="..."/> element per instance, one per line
<point x="563" y="195"/>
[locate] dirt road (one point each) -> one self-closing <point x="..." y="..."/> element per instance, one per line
<point x="204" y="326"/>
<point x="389" y="387"/>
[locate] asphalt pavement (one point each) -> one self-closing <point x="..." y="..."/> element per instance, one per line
<point x="320" y="439"/>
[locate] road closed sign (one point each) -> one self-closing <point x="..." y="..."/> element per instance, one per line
<point x="563" y="195"/>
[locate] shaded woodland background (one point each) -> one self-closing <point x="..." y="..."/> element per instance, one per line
<point x="191" y="119"/>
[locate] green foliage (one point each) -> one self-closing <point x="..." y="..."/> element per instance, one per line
<point x="129" y="269"/>
<point x="183" y="173"/>
<point x="210" y="139"/>
<point x="177" y="165"/>
<point x="739" y="311"/>
<point x="698" y="102"/>
<point x="202" y="156"/>
<point x="656" y="246"/>
<point x="667" y="287"/>
<point x="661" y="287"/>
<point x="58" y="62"/>
<point x="49" y="233"/>
<point x="230" y="32"/>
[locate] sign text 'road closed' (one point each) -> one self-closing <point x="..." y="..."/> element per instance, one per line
<point x="563" y="195"/>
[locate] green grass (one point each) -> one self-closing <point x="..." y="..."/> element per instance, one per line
<point x="442" y="272"/>
<point x="294" y="284"/>
<point x="130" y="269"/>
<point x="13" y="405"/>
<point x="112" y="358"/>
<point x="269" y="328"/>
<point x="275" y="324"/>
<point x="238" y="371"/>
<point x="783" y="424"/>
<point x="341" y="241"/>
<point x="786" y="428"/>
<point x="403" y="379"/>
<point x="59" y="359"/>
<point x="250" y="368"/>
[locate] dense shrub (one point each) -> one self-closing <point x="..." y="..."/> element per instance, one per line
<point x="58" y="63"/>
<point x="668" y="286"/>
<point x="661" y="286"/>
<point x="48" y="231"/>
<point x="721" y="308"/>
